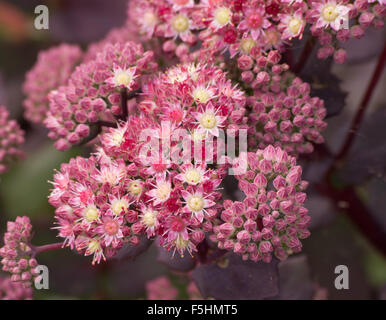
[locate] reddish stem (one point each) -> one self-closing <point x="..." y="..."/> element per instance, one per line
<point x="47" y="247"/>
<point x="363" y="106"/>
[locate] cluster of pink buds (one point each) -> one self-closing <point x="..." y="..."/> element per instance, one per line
<point x="281" y="111"/>
<point x="17" y="254"/>
<point x="52" y="69"/>
<point x="271" y="219"/>
<point x="95" y="92"/>
<point x="11" y="290"/>
<point x="11" y="137"/>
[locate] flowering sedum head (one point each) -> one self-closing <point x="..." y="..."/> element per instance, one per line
<point x="14" y="290"/>
<point x="93" y="91"/>
<point x="281" y="111"/>
<point x="271" y="220"/>
<point x="51" y="70"/>
<point x="16" y="253"/>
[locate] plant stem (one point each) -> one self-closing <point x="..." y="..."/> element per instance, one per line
<point x="47" y="247"/>
<point x="124" y="97"/>
<point x="306" y="52"/>
<point x="363" y="106"/>
<point x="107" y="124"/>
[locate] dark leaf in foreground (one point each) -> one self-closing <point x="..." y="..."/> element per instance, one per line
<point x="367" y="156"/>
<point x="130" y="252"/>
<point x="324" y="84"/>
<point x="295" y="279"/>
<point x="233" y="278"/>
<point x="175" y="262"/>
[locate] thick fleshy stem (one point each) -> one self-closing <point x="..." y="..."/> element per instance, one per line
<point x="363" y="106"/>
<point x="306" y="52"/>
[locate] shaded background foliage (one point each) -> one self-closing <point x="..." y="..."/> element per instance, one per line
<point x="336" y="238"/>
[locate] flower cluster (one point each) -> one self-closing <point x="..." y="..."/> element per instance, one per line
<point x="93" y="92"/>
<point x="281" y="111"/>
<point x="237" y="26"/>
<point x="11" y="137"/>
<point x="11" y="290"/>
<point x="51" y="70"/>
<point x="271" y="219"/>
<point x="101" y="203"/>
<point x="17" y="254"/>
<point x="92" y="204"/>
<point x="162" y="288"/>
<point x="196" y="97"/>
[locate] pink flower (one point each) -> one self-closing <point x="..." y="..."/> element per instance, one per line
<point x="255" y="21"/>
<point x="330" y="13"/>
<point x="196" y="203"/>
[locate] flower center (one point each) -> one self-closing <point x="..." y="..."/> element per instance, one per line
<point x="180" y="23"/>
<point x="135" y="188"/>
<point x="202" y="95"/>
<point x="294" y="25"/>
<point x="255" y="20"/>
<point x="163" y="191"/>
<point x="93" y="246"/>
<point x="196" y="203"/>
<point x="149" y="218"/>
<point x="181" y="243"/>
<point x="208" y="121"/>
<point x="247" y="45"/>
<point x="330" y="13"/>
<point x="222" y="16"/>
<point x="91" y="214"/>
<point x="123" y="78"/>
<point x="119" y="205"/>
<point x="193" y="176"/>
<point x="111" y="227"/>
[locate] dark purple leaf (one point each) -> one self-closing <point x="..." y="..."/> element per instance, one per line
<point x="175" y="262"/>
<point x="321" y="209"/>
<point x="295" y="279"/>
<point x="367" y="156"/>
<point x="324" y="84"/>
<point x="130" y="252"/>
<point x="233" y="278"/>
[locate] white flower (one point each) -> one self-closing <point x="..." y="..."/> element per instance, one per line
<point x="123" y="78"/>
